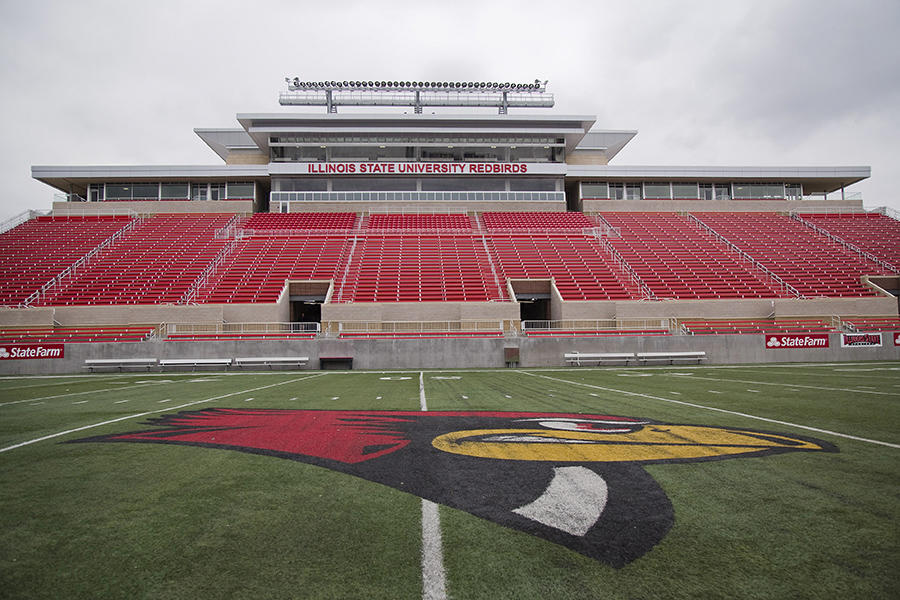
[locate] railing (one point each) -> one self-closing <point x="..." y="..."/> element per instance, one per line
<point x="85" y="260"/>
<point x="500" y="289"/>
<point x="167" y="329"/>
<point x="336" y="328"/>
<point x="845" y="244"/>
<point x="611" y="325"/>
<point x="190" y="296"/>
<point x="20" y="218"/>
<point x="343" y="283"/>
<point x="768" y="275"/>
<point x="416" y="197"/>
<point x="888" y="212"/>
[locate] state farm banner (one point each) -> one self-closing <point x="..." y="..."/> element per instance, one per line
<point x="417" y="168"/>
<point x="28" y="351"/>
<point x="854" y="340"/>
<point x="896" y="335"/>
<point x="812" y="340"/>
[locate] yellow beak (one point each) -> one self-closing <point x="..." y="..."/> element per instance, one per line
<point x="649" y="443"/>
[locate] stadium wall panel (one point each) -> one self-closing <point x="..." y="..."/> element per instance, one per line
<point x="456" y="352"/>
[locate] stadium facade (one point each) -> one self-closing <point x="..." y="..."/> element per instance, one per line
<point x="492" y="232"/>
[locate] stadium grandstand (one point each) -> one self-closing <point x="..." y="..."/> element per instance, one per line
<point x="423" y="237"/>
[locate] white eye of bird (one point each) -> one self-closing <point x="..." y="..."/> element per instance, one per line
<point x="595" y="425"/>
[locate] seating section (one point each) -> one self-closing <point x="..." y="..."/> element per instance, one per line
<point x="874" y="233"/>
<point x="72" y="335"/>
<point x="257" y="269"/>
<point x="40" y="249"/>
<point x="433" y="267"/>
<point x="677" y="260"/>
<point x="577" y="263"/>
<point x="458" y="222"/>
<point x="786" y="326"/>
<point x="873" y="324"/>
<point x="302" y="220"/>
<point x="435" y="257"/>
<point x="810" y="262"/>
<point x="155" y="263"/>
<point x="535" y="220"/>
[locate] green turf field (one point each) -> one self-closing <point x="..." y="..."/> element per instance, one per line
<point x="166" y="520"/>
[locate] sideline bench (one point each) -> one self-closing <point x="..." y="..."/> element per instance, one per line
<point x="670" y="357"/>
<point x="579" y="359"/>
<point x="119" y="363"/>
<point x="270" y="361"/>
<point x="195" y="362"/>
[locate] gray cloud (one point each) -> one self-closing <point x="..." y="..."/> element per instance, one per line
<point x="738" y="82"/>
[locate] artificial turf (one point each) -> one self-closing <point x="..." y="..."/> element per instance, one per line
<point x="113" y="520"/>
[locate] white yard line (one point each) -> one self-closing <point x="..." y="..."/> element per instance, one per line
<point x="115" y="389"/>
<point x="434" y="578"/>
<point x="722" y="410"/>
<point x="795" y="386"/>
<point x="150" y="412"/>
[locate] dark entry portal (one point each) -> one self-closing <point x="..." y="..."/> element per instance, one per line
<point x="534" y="309"/>
<point x="306" y="312"/>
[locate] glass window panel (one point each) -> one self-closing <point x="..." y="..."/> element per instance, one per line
<point x="706" y="191"/>
<point x="594" y="190"/>
<point x="530" y="184"/>
<point x="633" y="191"/>
<point x="617" y="191"/>
<point x="240" y="190"/>
<point x="684" y="190"/>
<point x="145" y="191"/>
<point x="656" y="190"/>
<point x="175" y="191"/>
<point x="118" y="191"/>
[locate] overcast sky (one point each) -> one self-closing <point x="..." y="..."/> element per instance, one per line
<point x="805" y="83"/>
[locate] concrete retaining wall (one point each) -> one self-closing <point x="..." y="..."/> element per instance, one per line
<point x="456" y="353"/>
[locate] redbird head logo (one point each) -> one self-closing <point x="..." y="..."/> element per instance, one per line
<point x="573" y="479"/>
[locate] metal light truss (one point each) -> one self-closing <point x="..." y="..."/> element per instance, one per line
<point x="417" y="94"/>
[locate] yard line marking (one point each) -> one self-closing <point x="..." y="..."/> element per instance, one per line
<point x="80" y="402"/>
<point x="248" y="399"/>
<point x="35" y="403"/>
<point x="796" y="386"/>
<point x="434" y="578"/>
<point x="292" y="399"/>
<point x="754" y="391"/>
<point x="150" y="412"/>
<point x="117" y="389"/>
<point x="166" y="400"/>
<point x="120" y="401"/>
<point x="713" y="392"/>
<point x="676" y="393"/>
<point x="722" y="410"/>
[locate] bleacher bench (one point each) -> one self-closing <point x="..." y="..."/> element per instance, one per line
<point x="670" y="357"/>
<point x="580" y="359"/>
<point x="119" y="363"/>
<point x="270" y="361"/>
<point x="195" y="362"/>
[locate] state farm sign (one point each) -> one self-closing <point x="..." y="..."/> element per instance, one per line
<point x="813" y="340"/>
<point x="20" y="351"/>
<point x="854" y="340"/>
<point x="897" y="338"/>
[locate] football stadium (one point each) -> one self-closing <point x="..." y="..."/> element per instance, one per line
<point x="457" y="352"/>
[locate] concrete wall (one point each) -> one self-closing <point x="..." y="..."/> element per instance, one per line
<point x="167" y="206"/>
<point x="589" y="205"/>
<point x="456" y="353"/>
<point x="420" y="311"/>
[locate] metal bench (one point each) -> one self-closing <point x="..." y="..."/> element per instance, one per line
<point x="119" y="363"/>
<point x="195" y="362"/>
<point x="270" y="361"/>
<point x="580" y="359"/>
<point x="670" y="357"/>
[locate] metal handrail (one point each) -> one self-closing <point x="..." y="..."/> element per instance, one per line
<point x="746" y="257"/>
<point x="842" y="242"/>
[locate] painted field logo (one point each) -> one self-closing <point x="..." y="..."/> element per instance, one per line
<point x="851" y="340"/>
<point x="576" y="480"/>
<point x="813" y="340"/>
<point x="20" y="351"/>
